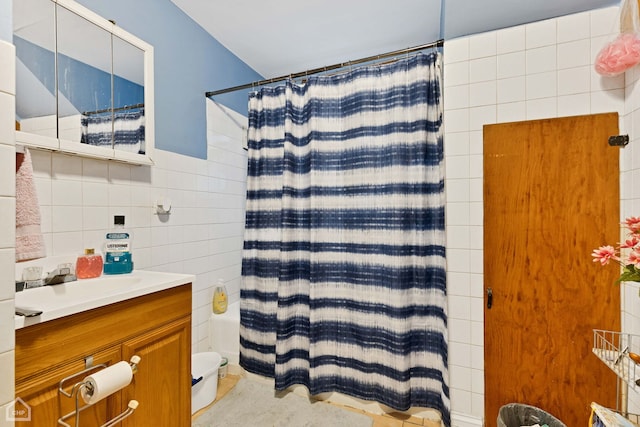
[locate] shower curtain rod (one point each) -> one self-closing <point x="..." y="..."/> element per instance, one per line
<point x="439" y="43"/>
<point x="108" y="110"/>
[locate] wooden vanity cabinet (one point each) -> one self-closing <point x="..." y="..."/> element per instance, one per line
<point x="161" y="377"/>
<point x="156" y="327"/>
<point x="47" y="405"/>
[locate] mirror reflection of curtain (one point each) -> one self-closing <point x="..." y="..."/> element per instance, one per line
<point x="344" y="283"/>
<point x="123" y="129"/>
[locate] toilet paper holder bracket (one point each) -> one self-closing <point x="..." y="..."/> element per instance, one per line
<point x="77" y="388"/>
<point x="77" y="385"/>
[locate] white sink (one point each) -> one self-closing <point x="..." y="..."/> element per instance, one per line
<point x="81" y="295"/>
<point x="48" y="297"/>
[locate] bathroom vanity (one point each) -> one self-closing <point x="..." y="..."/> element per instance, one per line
<point x="145" y="318"/>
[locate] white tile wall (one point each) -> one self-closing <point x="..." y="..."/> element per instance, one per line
<point x="202" y="235"/>
<point x="7" y="227"/>
<point x="630" y="206"/>
<point x="538" y="70"/>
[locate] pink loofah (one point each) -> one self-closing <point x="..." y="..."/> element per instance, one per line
<point x="619" y="55"/>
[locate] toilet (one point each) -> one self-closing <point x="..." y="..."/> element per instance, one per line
<point x="204" y="379"/>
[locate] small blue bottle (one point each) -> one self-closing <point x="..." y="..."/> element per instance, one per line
<point x="117" y="249"/>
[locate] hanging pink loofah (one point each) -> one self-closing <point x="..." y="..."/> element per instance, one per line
<point x="619" y="55"/>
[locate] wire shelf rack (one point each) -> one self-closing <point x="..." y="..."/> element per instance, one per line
<point x="634" y="418"/>
<point x="616" y="349"/>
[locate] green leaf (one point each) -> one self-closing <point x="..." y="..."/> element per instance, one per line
<point x="629" y="274"/>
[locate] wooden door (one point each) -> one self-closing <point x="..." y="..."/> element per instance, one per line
<point x="551" y="196"/>
<point x="162" y="384"/>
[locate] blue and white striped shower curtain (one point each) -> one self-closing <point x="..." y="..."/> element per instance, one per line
<point x="344" y="256"/>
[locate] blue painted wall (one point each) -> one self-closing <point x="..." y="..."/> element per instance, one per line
<point x="188" y="62"/>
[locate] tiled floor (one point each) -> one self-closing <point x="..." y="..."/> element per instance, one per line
<point x="396" y="419"/>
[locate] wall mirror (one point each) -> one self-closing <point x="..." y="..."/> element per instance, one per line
<point x="128" y="97"/>
<point x="83" y="85"/>
<point x="34" y="37"/>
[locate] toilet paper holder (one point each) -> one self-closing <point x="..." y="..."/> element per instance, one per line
<point x="86" y="386"/>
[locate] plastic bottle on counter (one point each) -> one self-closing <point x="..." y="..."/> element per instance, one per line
<point x="220" y="298"/>
<point x="117" y="249"/>
<point x="89" y="265"/>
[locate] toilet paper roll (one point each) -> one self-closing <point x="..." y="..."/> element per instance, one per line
<point x="106" y="381"/>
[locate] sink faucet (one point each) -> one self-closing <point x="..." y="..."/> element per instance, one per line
<point x="64" y="273"/>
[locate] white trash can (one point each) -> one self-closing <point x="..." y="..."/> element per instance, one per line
<point x="204" y="374"/>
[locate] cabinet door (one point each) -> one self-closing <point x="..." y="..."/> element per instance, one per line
<point x="44" y="404"/>
<point x="162" y="384"/>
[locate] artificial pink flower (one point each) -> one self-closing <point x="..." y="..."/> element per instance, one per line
<point x="633" y="224"/>
<point x="604" y="254"/>
<point x="634" y="258"/>
<point x="619" y="55"/>
<point x="630" y="243"/>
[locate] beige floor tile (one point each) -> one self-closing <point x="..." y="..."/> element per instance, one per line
<point x="409" y="420"/>
<point x="226" y="384"/>
<point x="384" y="421"/>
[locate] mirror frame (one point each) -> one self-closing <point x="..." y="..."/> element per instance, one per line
<point x="74" y="147"/>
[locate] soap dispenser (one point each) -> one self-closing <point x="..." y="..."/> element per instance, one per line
<point x="220" y="298"/>
<point x="89" y="265"/>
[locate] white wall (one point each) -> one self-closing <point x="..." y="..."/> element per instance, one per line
<point x="202" y="235"/>
<point x="630" y="206"/>
<point x="7" y="226"/>
<point x="534" y="71"/>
